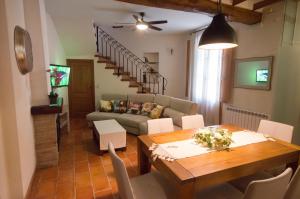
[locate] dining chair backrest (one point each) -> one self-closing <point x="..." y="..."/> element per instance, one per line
<point x="293" y="191"/>
<point x="123" y="182"/>
<point x="192" y="122"/>
<point x="277" y="130"/>
<point x="274" y="188"/>
<point x="161" y="125"/>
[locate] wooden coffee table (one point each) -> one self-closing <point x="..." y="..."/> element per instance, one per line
<point x="106" y="131"/>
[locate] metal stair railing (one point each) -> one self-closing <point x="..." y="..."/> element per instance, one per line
<point x="126" y="61"/>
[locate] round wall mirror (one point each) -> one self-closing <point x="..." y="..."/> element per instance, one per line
<point x="23" y="50"/>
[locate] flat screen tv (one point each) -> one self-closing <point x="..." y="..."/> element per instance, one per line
<point x="59" y="75"/>
<point x="262" y="75"/>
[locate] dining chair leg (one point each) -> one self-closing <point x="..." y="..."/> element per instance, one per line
<point x="294" y="165"/>
<point x="144" y="165"/>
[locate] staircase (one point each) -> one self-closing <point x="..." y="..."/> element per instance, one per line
<point x="124" y="63"/>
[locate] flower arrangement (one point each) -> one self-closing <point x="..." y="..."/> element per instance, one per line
<point x="53" y="96"/>
<point x="213" y="138"/>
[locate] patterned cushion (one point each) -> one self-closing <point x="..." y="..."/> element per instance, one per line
<point x="147" y="108"/>
<point x="120" y="106"/>
<point x="156" y="112"/>
<point x="106" y="106"/>
<point x="123" y="106"/>
<point x="134" y="108"/>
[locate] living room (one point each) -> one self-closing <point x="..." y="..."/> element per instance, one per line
<point x="64" y="35"/>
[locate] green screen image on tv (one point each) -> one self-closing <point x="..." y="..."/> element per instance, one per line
<point x="262" y="75"/>
<point x="59" y="75"/>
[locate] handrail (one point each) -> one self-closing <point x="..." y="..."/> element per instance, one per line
<point x="121" y="56"/>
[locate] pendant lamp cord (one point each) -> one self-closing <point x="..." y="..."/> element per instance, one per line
<point x="219" y="6"/>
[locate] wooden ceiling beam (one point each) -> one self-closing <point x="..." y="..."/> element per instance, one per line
<point x="236" y="14"/>
<point x="235" y="2"/>
<point x="264" y="3"/>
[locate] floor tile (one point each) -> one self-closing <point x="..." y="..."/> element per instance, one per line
<point x="81" y="172"/>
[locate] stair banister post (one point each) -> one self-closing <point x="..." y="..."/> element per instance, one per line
<point x="97" y="37"/>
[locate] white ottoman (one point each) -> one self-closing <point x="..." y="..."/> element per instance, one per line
<point x="106" y="131"/>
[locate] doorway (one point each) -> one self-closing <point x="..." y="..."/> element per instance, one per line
<point x="82" y="87"/>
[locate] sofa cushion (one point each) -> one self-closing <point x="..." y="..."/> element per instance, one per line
<point x="185" y="106"/>
<point x="141" y="98"/>
<point x="147" y="107"/>
<point x="162" y="100"/>
<point x="113" y="97"/>
<point x="175" y="115"/>
<point x="134" y="107"/>
<point x="156" y="112"/>
<point x="132" y="120"/>
<point x="106" y="105"/>
<point x="119" y="106"/>
<point x="96" y="116"/>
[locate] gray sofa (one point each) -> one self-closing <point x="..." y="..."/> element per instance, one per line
<point x="137" y="124"/>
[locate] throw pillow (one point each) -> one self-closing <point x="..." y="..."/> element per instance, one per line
<point x="106" y="105"/>
<point x="123" y="106"/>
<point x="134" y="108"/>
<point x="156" y="112"/>
<point x="147" y="108"/>
<point x="116" y="106"/>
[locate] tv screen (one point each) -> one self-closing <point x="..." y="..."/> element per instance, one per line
<point x="262" y="75"/>
<point x="59" y="75"/>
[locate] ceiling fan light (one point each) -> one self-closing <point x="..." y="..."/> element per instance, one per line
<point x="218" y="35"/>
<point x="141" y="26"/>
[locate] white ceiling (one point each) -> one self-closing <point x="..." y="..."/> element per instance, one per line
<point x="110" y="12"/>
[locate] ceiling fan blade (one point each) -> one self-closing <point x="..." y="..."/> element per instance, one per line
<point x="118" y="27"/>
<point x="154" y="27"/>
<point x="136" y="17"/>
<point x="125" y="23"/>
<point x="157" y="22"/>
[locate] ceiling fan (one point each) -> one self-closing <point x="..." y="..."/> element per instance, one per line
<point x="141" y="24"/>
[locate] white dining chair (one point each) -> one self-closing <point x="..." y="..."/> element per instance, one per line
<point x="273" y="188"/>
<point x="192" y="122"/>
<point x="161" y="125"/>
<point x="293" y="190"/>
<point x="277" y="130"/>
<point x="148" y="186"/>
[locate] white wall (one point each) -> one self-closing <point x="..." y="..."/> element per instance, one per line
<point x="258" y="41"/>
<point x="56" y="55"/>
<point x="287" y="92"/>
<point x="77" y="37"/>
<point x="17" y="140"/>
<point x="35" y="20"/>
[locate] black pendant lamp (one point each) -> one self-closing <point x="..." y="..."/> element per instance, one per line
<point x="219" y="34"/>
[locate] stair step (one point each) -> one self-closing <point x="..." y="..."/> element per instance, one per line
<point x="102" y="56"/>
<point x="126" y="73"/>
<point x="111" y="67"/>
<point x="105" y="62"/>
<point x="125" y="78"/>
<point x="134" y="84"/>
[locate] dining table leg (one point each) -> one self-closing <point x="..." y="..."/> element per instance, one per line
<point x="144" y="165"/>
<point x="186" y="191"/>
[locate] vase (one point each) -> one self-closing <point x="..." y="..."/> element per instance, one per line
<point x="53" y="99"/>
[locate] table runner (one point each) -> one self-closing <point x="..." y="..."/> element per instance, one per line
<point x="188" y="148"/>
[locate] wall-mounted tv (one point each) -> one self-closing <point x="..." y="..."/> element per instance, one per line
<point x="59" y="75"/>
<point x="262" y="75"/>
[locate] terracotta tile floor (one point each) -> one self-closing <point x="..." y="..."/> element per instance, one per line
<point x="81" y="172"/>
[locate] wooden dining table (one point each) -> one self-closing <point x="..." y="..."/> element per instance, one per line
<point x="205" y="170"/>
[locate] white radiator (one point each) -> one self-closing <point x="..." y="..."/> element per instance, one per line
<point x="241" y="117"/>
